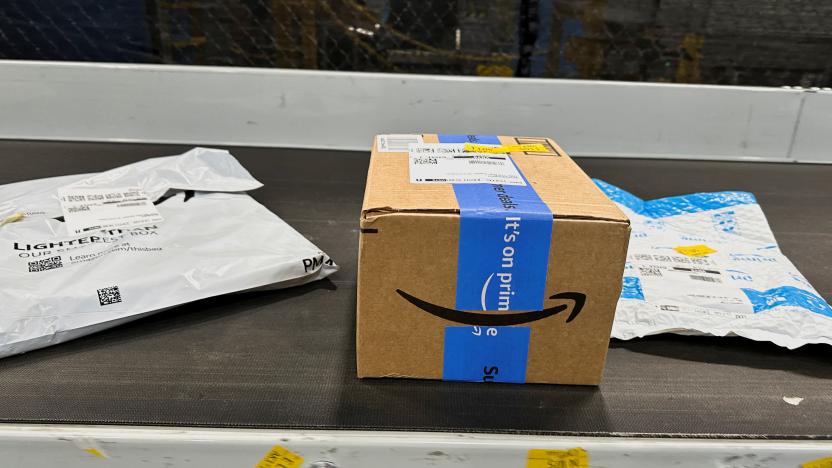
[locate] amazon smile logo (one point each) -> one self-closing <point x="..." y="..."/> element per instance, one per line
<point x="498" y="320"/>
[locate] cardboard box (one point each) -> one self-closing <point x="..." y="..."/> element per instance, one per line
<point x="486" y="282"/>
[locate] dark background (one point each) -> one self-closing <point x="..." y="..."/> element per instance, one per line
<point x="741" y="42"/>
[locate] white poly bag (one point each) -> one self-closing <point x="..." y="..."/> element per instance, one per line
<point x="708" y="263"/>
<point x="214" y="239"/>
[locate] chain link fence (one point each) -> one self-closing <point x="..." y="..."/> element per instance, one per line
<point x="744" y="42"/>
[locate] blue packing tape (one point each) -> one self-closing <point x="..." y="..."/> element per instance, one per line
<point x="504" y="239"/>
<point x="486" y="354"/>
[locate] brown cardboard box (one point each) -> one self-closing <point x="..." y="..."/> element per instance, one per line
<point x="408" y="322"/>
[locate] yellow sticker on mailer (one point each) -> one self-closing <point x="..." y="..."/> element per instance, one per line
<point x="572" y="458"/>
<point x="95" y="452"/>
<point x="531" y="147"/>
<point x="822" y="463"/>
<point x="279" y="457"/>
<point x="699" y="250"/>
<point x="90" y="446"/>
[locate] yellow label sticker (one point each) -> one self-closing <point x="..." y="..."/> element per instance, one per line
<point x="13" y="218"/>
<point x="533" y="147"/>
<point x="822" y="463"/>
<point x="572" y="458"/>
<point x="95" y="452"/>
<point x="698" y="250"/>
<point x="279" y="457"/>
<point x="90" y="446"/>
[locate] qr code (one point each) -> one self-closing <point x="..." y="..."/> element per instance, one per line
<point x="107" y="296"/>
<point x="124" y="205"/>
<point x="649" y="270"/>
<point x="45" y="264"/>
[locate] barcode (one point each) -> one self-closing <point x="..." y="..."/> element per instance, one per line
<point x="76" y="209"/>
<point x="122" y="205"/>
<point x="483" y="161"/>
<point x="397" y="143"/>
<point x="109" y="295"/>
<point x="419" y="161"/>
<point x="45" y="264"/>
<point x="705" y="278"/>
<point x="649" y="270"/>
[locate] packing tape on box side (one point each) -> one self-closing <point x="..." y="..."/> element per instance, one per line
<point x="504" y="238"/>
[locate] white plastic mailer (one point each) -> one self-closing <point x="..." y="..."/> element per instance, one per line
<point x="708" y="263"/>
<point x="70" y="266"/>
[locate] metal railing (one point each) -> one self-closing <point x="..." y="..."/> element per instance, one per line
<point x="745" y="42"/>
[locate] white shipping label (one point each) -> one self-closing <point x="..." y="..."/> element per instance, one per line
<point x="92" y="209"/>
<point x="397" y="143"/>
<point x="449" y="163"/>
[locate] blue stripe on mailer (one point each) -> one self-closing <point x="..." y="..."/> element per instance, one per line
<point x="631" y="289"/>
<point x="620" y="196"/>
<point x="486" y="354"/>
<point x="672" y="206"/>
<point x="787" y="296"/>
<point x="504" y="238"/>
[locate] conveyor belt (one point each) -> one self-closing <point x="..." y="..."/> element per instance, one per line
<point x="285" y="359"/>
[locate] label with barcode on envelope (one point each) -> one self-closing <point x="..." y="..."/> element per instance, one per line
<point x="93" y="209"/>
<point x="449" y="163"/>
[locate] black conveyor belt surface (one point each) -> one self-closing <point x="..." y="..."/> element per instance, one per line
<point x="285" y="359"/>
